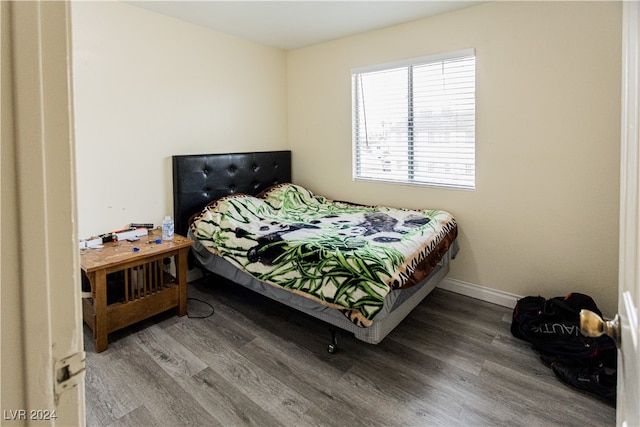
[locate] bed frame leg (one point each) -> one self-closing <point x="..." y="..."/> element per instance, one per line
<point x="333" y="345"/>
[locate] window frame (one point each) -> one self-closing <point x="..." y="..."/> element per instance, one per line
<point x="410" y="130"/>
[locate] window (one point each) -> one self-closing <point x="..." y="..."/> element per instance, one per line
<point x="414" y="121"/>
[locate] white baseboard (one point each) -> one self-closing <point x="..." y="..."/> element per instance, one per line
<point x="493" y="296"/>
<point x="472" y="290"/>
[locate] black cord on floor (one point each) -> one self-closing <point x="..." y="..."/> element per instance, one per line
<point x="200" y="317"/>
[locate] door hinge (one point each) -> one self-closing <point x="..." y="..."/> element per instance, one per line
<point x="69" y="372"/>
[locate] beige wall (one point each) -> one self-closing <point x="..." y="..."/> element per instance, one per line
<point x="148" y="87"/>
<point x="544" y="216"/>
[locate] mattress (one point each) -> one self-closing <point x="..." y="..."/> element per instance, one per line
<point x="397" y="304"/>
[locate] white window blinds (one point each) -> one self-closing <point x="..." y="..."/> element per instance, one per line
<point x="414" y="121"/>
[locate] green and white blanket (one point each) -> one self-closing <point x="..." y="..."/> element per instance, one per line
<point x="340" y="254"/>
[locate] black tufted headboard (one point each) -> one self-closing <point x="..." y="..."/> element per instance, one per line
<point x="200" y="178"/>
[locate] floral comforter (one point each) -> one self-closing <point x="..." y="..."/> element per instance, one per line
<point x="342" y="255"/>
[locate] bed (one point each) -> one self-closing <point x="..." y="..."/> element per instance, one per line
<point x="361" y="269"/>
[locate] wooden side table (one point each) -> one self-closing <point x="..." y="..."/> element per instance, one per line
<point x="134" y="282"/>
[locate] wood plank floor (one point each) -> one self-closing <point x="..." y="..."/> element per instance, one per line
<point x="451" y="362"/>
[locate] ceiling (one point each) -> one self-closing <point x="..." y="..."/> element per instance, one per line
<point x="294" y="24"/>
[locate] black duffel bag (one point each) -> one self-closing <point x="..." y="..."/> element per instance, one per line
<point x="552" y="326"/>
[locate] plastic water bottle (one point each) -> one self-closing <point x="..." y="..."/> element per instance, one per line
<point x="167" y="228"/>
